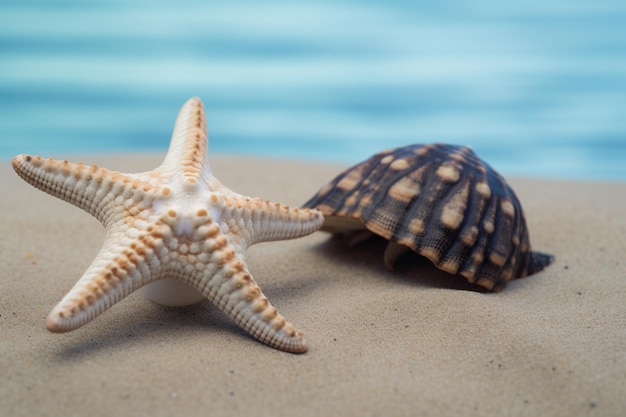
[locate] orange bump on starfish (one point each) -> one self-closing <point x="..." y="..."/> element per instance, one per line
<point x="175" y="230"/>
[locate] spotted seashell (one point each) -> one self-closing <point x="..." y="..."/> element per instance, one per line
<point x="442" y="202"/>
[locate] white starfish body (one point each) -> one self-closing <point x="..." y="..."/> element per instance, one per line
<point x="177" y="222"/>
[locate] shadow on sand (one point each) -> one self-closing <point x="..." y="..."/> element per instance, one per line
<point x="411" y="269"/>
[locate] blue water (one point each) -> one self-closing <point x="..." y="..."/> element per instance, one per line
<point x="537" y="88"/>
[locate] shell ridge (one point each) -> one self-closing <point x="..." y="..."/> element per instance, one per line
<point x="466" y="233"/>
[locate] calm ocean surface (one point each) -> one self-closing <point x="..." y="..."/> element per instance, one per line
<point x="537" y="88"/>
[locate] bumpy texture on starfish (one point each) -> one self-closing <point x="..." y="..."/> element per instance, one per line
<point x="178" y="223"/>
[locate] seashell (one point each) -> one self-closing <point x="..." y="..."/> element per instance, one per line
<point x="442" y="202"/>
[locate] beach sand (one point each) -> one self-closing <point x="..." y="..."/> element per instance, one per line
<point x="414" y="342"/>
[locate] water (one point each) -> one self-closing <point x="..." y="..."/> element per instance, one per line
<point x="537" y="88"/>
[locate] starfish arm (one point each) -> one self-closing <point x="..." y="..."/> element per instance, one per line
<point x="90" y="188"/>
<point x="265" y="221"/>
<point x="187" y="154"/>
<point x="117" y="271"/>
<point x="233" y="290"/>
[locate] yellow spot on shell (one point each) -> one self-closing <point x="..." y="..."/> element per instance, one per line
<point x="497" y="259"/>
<point x="485" y="282"/>
<point x="458" y="156"/>
<point x="453" y="213"/>
<point x="349" y="181"/>
<point x="399" y="164"/>
<point x="431" y="253"/>
<point x="421" y="151"/>
<point x="352" y="200"/>
<point x="478" y="258"/>
<point x="469" y="237"/>
<point x="449" y="266"/>
<point x="416" y="226"/>
<point x="483" y="189"/>
<point x="448" y="173"/>
<point x="387" y="159"/>
<point x="404" y="190"/>
<point x="507" y="274"/>
<point x="451" y="218"/>
<point x="365" y="201"/>
<point x="508" y="208"/>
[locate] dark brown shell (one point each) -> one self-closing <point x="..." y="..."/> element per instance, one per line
<point x="442" y="202"/>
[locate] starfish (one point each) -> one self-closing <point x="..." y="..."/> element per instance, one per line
<point x="175" y="230"/>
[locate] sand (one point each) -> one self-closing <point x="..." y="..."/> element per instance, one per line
<point x="413" y="342"/>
